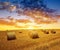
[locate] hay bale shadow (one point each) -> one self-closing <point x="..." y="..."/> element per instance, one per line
<point x="53" y="31"/>
<point x="46" y="32"/>
<point x="34" y="35"/>
<point x="20" y="32"/>
<point x="11" y="36"/>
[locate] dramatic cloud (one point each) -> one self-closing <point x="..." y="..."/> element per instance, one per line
<point x="35" y="4"/>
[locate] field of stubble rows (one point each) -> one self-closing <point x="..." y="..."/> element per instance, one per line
<point x="30" y="40"/>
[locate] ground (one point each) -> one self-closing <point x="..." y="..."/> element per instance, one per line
<point x="24" y="41"/>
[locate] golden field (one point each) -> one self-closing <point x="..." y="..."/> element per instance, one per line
<point x="24" y="40"/>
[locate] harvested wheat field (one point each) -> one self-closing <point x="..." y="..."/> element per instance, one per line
<point x="30" y="39"/>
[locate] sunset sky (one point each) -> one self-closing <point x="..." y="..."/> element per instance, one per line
<point x="54" y="4"/>
<point x="8" y="23"/>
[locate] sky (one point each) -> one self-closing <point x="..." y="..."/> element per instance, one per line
<point x="54" y="4"/>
